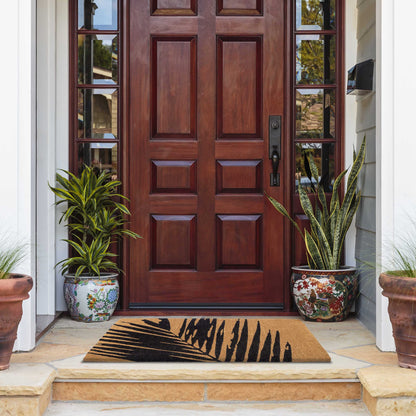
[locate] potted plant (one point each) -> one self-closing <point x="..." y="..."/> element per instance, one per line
<point x="399" y="286"/>
<point x="14" y="288"/>
<point x="324" y="290"/>
<point x="96" y="220"/>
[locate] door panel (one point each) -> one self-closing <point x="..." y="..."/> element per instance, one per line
<point x="203" y="81"/>
<point x="239" y="87"/>
<point x="173" y="87"/>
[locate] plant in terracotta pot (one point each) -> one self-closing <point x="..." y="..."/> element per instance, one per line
<point x="14" y="288"/>
<point x="95" y="220"/>
<point x="399" y="286"/>
<point x="324" y="290"/>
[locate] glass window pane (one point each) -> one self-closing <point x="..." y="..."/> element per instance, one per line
<point x="315" y="114"/>
<point x="101" y="156"/>
<point x="323" y="155"/>
<point x="97" y="59"/>
<point x="97" y="14"/>
<point x="97" y="113"/>
<point x="315" y="59"/>
<point x="315" y="14"/>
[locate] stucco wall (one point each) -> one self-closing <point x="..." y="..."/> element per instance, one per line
<point x="365" y="249"/>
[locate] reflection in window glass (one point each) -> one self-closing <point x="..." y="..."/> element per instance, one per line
<point x="101" y="156"/>
<point x="97" y="59"/>
<point x="97" y="113"/>
<point x="315" y="59"/>
<point x="97" y="14"/>
<point x="315" y="113"/>
<point x="315" y="14"/>
<point x="323" y="156"/>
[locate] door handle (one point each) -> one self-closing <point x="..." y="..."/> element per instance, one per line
<point x="275" y="177"/>
<point x="275" y="148"/>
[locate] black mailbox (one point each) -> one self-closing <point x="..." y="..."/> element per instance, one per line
<point x="360" y="78"/>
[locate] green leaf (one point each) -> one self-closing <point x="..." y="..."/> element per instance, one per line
<point x="282" y="210"/>
<point x="313" y="251"/>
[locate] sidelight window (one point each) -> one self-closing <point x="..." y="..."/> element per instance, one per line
<point x="317" y="92"/>
<point x="95" y="134"/>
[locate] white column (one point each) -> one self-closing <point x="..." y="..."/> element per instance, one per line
<point x="396" y="144"/>
<point x="62" y="123"/>
<point x="46" y="136"/>
<point x="18" y="154"/>
<point x="350" y="135"/>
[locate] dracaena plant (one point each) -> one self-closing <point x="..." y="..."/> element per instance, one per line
<point x="95" y="219"/>
<point x="328" y="225"/>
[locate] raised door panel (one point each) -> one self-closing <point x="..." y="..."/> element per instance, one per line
<point x="173" y="241"/>
<point x="239" y="176"/>
<point x="239" y="87"/>
<point x="239" y="242"/>
<point x="173" y="87"/>
<point x="173" y="7"/>
<point x="240" y="7"/>
<point x="172" y="176"/>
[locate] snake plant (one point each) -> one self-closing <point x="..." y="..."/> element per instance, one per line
<point x="94" y="217"/>
<point x="328" y="225"/>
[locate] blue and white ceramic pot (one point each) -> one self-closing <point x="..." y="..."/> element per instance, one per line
<point x="91" y="298"/>
<point x="324" y="295"/>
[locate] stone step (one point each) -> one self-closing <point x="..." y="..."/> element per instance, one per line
<point x="27" y="389"/>
<point x="338" y="408"/>
<point x="199" y="382"/>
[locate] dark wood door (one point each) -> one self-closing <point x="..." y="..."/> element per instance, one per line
<point x="203" y="78"/>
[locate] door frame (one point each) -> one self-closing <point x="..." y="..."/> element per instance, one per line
<point x="290" y="200"/>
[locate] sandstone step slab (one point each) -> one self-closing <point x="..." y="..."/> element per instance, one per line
<point x="199" y="382"/>
<point x="26" y="389"/>
<point x="339" y="408"/>
<point x="389" y="391"/>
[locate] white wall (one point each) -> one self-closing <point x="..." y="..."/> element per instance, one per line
<point x="52" y="131"/>
<point x="366" y="126"/>
<point x="396" y="144"/>
<point x="18" y="156"/>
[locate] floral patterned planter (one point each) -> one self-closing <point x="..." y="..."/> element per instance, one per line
<point x="91" y="299"/>
<point x="324" y="295"/>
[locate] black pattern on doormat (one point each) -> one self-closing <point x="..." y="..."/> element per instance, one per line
<point x="192" y="339"/>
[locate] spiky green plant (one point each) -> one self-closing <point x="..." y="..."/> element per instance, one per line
<point x="95" y="219"/>
<point x="328" y="226"/>
<point x="91" y="258"/>
<point x="10" y="256"/>
<point x="401" y="256"/>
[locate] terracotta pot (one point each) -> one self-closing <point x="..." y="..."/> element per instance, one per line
<point x="12" y="293"/>
<point x="324" y="295"/>
<point x="91" y="298"/>
<point x="401" y="292"/>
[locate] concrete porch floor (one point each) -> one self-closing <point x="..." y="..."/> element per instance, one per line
<point x="54" y="371"/>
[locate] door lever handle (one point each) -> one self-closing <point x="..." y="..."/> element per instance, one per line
<point x="275" y="179"/>
<point x="275" y="145"/>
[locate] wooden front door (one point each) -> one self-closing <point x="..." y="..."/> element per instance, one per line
<point x="203" y="78"/>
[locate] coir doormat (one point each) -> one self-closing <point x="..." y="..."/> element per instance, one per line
<point x="208" y="340"/>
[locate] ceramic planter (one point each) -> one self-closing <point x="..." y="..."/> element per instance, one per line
<point x="401" y="292"/>
<point x="91" y="298"/>
<point x="13" y="291"/>
<point x="324" y="295"/>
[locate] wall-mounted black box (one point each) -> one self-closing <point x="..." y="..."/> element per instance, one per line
<point x="360" y="78"/>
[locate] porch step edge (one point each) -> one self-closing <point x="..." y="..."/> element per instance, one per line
<point x="339" y="368"/>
